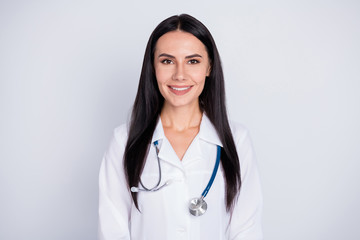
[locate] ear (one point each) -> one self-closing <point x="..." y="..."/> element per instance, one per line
<point x="208" y="71"/>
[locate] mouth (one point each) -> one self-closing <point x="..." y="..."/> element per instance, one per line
<point x="180" y="90"/>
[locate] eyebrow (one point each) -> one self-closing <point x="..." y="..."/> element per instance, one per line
<point x="171" y="56"/>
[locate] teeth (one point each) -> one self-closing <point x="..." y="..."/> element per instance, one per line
<point x="180" y="89"/>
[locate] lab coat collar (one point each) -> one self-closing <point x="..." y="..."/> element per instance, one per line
<point x="166" y="152"/>
<point x="207" y="131"/>
<point x="158" y="132"/>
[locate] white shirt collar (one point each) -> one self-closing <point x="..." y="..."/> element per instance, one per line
<point x="207" y="131"/>
<point x="158" y="132"/>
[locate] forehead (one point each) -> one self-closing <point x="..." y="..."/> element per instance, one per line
<point x="179" y="42"/>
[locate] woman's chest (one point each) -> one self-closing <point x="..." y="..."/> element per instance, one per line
<point x="169" y="206"/>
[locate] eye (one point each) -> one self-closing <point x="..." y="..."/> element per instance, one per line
<point x="193" y="61"/>
<point x="166" y="61"/>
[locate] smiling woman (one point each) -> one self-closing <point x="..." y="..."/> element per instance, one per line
<point x="181" y="65"/>
<point x="160" y="178"/>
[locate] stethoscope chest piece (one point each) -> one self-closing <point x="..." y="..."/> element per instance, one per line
<point x="197" y="206"/>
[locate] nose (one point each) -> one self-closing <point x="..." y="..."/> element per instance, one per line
<point x="179" y="73"/>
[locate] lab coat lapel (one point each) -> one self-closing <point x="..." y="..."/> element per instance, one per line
<point x="167" y="154"/>
<point x="208" y="132"/>
<point x="158" y="132"/>
<point x="193" y="153"/>
<point x="166" y="151"/>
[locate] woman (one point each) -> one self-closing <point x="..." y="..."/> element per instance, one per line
<point x="158" y="180"/>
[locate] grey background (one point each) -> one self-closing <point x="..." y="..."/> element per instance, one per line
<point x="68" y="77"/>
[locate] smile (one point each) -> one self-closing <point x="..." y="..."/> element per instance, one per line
<point x="180" y="90"/>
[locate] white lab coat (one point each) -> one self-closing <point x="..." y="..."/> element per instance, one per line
<point x="164" y="214"/>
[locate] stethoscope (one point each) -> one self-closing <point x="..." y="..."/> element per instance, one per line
<point x="197" y="206"/>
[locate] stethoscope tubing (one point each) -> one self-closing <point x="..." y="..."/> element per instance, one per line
<point x="206" y="190"/>
<point x="156" y="187"/>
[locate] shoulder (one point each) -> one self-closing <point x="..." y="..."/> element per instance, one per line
<point x="121" y="134"/>
<point x="117" y="145"/>
<point x="239" y="131"/>
<point x="244" y="145"/>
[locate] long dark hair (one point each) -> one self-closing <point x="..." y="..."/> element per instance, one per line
<point x="149" y="102"/>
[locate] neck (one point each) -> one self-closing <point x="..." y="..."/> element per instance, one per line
<point x="181" y="118"/>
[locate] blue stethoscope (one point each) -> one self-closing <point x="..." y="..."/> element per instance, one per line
<point x="197" y="206"/>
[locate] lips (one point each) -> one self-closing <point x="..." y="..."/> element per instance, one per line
<point x="180" y="90"/>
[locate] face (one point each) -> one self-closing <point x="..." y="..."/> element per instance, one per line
<point x="181" y="65"/>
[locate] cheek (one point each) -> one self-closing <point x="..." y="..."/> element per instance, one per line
<point x="200" y="76"/>
<point x="161" y="76"/>
<point x="161" y="79"/>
